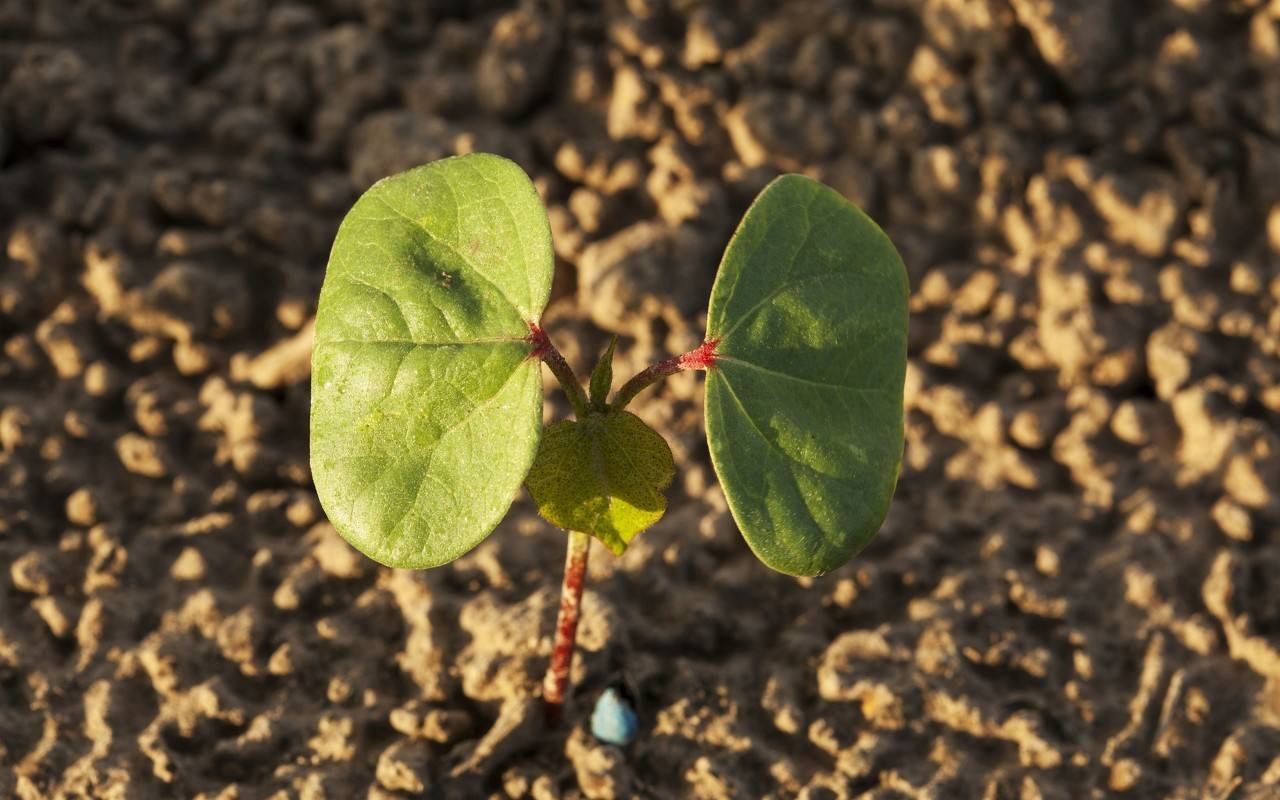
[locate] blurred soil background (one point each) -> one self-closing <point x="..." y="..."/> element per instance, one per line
<point x="1076" y="594"/>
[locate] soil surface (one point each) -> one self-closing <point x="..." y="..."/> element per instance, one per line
<point x="1076" y="593"/>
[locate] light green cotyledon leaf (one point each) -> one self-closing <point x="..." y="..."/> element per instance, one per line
<point x="425" y="406"/>
<point x="804" y="402"/>
<point x="602" y="475"/>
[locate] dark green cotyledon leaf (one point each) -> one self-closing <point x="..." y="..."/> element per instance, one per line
<point x="602" y="475"/>
<point x="425" y="408"/>
<point x="804" y="403"/>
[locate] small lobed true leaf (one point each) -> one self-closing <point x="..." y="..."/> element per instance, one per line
<point x="603" y="475"/>
<point x="804" y="412"/>
<point x="425" y="406"/>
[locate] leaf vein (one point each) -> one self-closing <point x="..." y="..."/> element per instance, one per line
<point x="859" y="389"/>
<point x="773" y="295"/>
<point x="418" y="226"/>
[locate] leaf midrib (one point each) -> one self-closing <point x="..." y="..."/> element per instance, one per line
<point x="798" y="379"/>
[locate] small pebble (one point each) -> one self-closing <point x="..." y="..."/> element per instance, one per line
<point x="613" y="721"/>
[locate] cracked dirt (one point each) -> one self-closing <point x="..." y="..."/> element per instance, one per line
<point x="1076" y="593"/>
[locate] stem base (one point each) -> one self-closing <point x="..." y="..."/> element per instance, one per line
<point x="555" y="684"/>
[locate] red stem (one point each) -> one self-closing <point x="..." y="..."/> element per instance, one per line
<point x="545" y="351"/>
<point x="555" y="685"/>
<point x="701" y="357"/>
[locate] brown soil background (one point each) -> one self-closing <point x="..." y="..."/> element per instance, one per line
<point x="1076" y="594"/>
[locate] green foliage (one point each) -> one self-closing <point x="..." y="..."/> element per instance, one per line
<point x="804" y="404"/>
<point x="602" y="475"/>
<point x="426" y="385"/>
<point x="602" y="377"/>
<point x="426" y="410"/>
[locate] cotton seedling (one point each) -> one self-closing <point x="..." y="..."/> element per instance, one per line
<point x="426" y="389"/>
